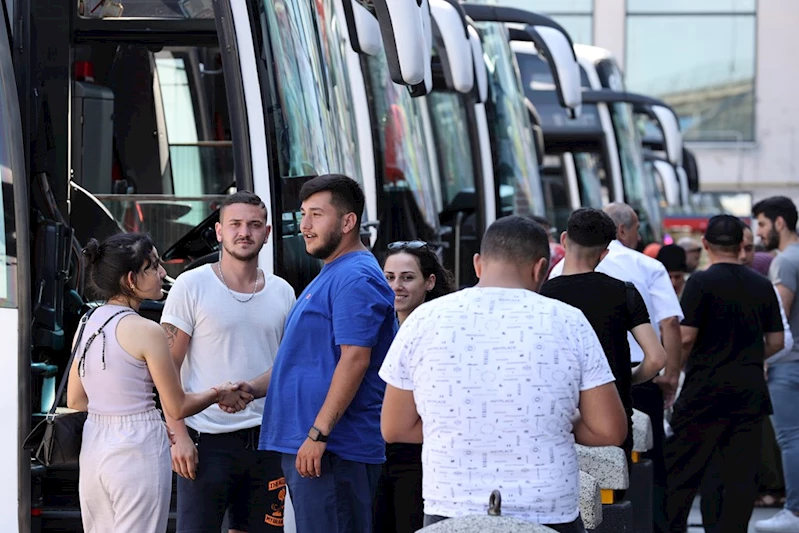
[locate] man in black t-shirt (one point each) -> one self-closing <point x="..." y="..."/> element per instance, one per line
<point x="613" y="307"/>
<point x="732" y="324"/>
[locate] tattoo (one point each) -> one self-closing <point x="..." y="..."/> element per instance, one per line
<point x="171" y="334"/>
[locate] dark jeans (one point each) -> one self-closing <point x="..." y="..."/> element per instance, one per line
<point x="398" y="505"/>
<point x="735" y="442"/>
<point x="572" y="527"/>
<point x="340" y="501"/>
<point x="648" y="399"/>
<point x="232" y="475"/>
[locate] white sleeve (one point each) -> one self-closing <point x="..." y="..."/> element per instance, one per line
<point x="665" y="303"/>
<point x="396" y="369"/>
<point x="788" y="344"/>
<point x="288" y="301"/>
<point x="179" y="307"/>
<point x="557" y="270"/>
<point x="596" y="369"/>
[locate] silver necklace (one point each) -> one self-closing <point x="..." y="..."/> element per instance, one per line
<point x="254" y="289"/>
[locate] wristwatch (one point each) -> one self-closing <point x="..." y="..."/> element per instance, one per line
<point x="315" y="434"/>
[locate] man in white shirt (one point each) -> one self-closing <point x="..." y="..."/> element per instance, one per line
<point x="224" y="321"/>
<point x="652" y="280"/>
<point x="491" y="378"/>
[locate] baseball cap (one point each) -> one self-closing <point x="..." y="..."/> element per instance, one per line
<point x="724" y="230"/>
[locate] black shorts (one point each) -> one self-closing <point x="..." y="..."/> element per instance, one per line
<point x="234" y="477"/>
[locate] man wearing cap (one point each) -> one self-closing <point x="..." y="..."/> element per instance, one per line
<point x="732" y="324"/>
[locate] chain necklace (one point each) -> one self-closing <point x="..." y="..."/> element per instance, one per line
<point x="254" y="289"/>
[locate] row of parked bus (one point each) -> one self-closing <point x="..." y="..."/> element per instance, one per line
<point x="142" y="116"/>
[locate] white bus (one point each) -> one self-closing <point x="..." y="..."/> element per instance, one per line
<point x="142" y="117"/>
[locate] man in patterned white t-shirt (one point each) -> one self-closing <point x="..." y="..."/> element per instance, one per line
<point x="491" y="378"/>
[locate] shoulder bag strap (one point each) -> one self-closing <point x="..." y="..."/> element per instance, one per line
<point x="63" y="384"/>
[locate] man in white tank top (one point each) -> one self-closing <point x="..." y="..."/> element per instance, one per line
<point x="224" y="321"/>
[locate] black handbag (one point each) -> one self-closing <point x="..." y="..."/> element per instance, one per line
<point x="57" y="439"/>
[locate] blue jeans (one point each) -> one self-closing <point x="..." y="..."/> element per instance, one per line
<point x="340" y="501"/>
<point x="570" y="527"/>
<point x="783" y="386"/>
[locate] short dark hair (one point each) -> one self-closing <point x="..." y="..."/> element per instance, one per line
<point x="515" y="239"/>
<point x="429" y="264"/>
<point x="110" y="261"/>
<point x="673" y="258"/>
<point x="242" y="197"/>
<point x="591" y="228"/>
<point x="777" y="206"/>
<point x="347" y="195"/>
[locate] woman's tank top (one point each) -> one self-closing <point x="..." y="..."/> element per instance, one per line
<point x="115" y="382"/>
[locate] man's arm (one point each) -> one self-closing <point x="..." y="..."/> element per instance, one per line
<point x="654" y="354"/>
<point x="672" y="344"/>
<point x="602" y="420"/>
<point x="667" y="312"/>
<point x="774" y="342"/>
<point x="184" y="452"/>
<point x="786" y="296"/>
<point x="399" y="420"/>
<point x="347" y="377"/>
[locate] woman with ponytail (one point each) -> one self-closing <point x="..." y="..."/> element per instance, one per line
<point x="125" y="465"/>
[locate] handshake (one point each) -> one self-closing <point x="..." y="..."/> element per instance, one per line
<point x="233" y="397"/>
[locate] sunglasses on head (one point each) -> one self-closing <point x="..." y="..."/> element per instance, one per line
<point x="407" y="245"/>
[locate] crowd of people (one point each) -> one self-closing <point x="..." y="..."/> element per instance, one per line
<point x="385" y="400"/>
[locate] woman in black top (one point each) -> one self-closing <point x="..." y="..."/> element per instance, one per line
<point x="416" y="276"/>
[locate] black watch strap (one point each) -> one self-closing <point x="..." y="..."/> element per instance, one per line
<point x="316" y="435"/>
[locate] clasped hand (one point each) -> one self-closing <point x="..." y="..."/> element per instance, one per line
<point x="233" y="397"/>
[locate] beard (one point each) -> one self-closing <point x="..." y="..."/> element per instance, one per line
<point x="772" y="240"/>
<point x="329" y="246"/>
<point x="252" y="255"/>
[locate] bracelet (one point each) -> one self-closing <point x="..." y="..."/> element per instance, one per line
<point x="216" y="398"/>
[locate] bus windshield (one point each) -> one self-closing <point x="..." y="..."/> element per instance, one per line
<point x="591" y="179"/>
<point x="639" y="187"/>
<point x="639" y="184"/>
<point x="407" y="205"/>
<point x="516" y="169"/>
<point x="454" y="151"/>
<point x="311" y="112"/>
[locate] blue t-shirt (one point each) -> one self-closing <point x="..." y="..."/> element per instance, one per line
<point x="348" y="303"/>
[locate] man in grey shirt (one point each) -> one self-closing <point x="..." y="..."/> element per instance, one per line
<point x="776" y="226"/>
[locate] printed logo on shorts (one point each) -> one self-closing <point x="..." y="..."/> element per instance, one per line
<point x="275" y="518"/>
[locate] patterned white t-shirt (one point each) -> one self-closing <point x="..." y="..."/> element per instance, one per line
<point x="496" y="375"/>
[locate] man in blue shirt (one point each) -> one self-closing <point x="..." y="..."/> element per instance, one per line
<point x="322" y="409"/>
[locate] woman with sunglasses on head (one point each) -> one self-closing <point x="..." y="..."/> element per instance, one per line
<point x="416" y="276"/>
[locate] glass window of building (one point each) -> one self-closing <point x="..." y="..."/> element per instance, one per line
<point x="705" y="70"/>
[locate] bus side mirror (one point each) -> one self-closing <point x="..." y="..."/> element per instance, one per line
<point x="691" y="170"/>
<point x="480" y="72"/>
<point x="363" y="29"/>
<point x="555" y="46"/>
<point x="405" y="26"/>
<point x="453" y="43"/>
<point x="672" y="137"/>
